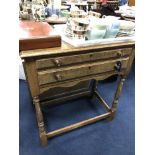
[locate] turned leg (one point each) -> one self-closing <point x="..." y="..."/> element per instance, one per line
<point x="40" y="121"/>
<point x="117" y="95"/>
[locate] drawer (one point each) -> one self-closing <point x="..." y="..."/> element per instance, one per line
<point x="74" y="59"/>
<point x="67" y="73"/>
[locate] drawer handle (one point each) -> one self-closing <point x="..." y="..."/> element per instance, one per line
<point x="57" y="62"/>
<point x="118" y="66"/>
<point x="58" y="77"/>
<point x="119" y="54"/>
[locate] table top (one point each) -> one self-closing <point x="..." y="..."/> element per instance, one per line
<point x="68" y="49"/>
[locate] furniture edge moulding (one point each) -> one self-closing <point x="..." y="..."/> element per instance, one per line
<point x="69" y="49"/>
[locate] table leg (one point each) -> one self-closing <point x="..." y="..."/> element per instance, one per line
<point x="94" y="88"/>
<point x="109" y="115"/>
<point x="117" y="95"/>
<point x="40" y="121"/>
<point x="95" y="85"/>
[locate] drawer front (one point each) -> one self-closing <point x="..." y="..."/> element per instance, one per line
<point x="74" y="59"/>
<point x="67" y="73"/>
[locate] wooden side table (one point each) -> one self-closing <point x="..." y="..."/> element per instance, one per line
<point x="65" y="66"/>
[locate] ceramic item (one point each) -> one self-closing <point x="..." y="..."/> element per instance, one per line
<point x="94" y="14"/>
<point x="64" y="13"/>
<point x="79" y="32"/>
<point x="81" y="24"/>
<point x="111" y="17"/>
<point x="78" y="14"/>
<point x="100" y="27"/>
<point x="112" y="30"/>
<point x="76" y="28"/>
<point x="98" y="23"/>
<point x="112" y="33"/>
<point x="126" y="25"/>
<point x="97" y="29"/>
<point x="95" y="34"/>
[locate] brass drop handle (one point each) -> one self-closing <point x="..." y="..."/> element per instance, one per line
<point x="58" y="77"/>
<point x="57" y="62"/>
<point x="118" y="66"/>
<point x="119" y="54"/>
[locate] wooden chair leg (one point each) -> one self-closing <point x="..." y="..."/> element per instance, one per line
<point x="42" y="132"/>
